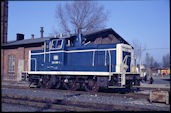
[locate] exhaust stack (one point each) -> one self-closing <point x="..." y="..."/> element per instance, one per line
<point x="41" y="31"/>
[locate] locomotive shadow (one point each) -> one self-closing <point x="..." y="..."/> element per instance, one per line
<point x="103" y="90"/>
<point x="111" y="90"/>
<point x="116" y="90"/>
<point x="119" y="90"/>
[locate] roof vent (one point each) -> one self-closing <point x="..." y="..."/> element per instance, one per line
<point x="60" y="35"/>
<point x="55" y="36"/>
<point x="32" y="36"/>
<point x="20" y="36"/>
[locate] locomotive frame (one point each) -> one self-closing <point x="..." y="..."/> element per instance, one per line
<point x="73" y="63"/>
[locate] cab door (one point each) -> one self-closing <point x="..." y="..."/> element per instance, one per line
<point x="100" y="58"/>
<point x="56" y="54"/>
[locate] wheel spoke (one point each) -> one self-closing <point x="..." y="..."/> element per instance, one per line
<point x="49" y="84"/>
<point x="71" y="84"/>
<point x="91" y="86"/>
<point x="53" y="82"/>
<point x="58" y="82"/>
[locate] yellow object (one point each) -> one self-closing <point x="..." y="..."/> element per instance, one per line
<point x="133" y="69"/>
<point x="166" y="71"/>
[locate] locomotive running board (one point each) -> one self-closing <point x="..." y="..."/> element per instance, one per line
<point x="72" y="73"/>
<point x="75" y="73"/>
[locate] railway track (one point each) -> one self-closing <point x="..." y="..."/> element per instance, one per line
<point x="69" y="100"/>
<point x="65" y="105"/>
<point x="108" y="92"/>
<point x="152" y="88"/>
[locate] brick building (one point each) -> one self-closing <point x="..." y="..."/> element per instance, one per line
<point x="14" y="56"/>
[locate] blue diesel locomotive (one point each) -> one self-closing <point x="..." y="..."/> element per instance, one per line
<point x="72" y="63"/>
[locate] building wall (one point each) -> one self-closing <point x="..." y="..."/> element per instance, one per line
<point x="4" y="21"/>
<point x="22" y="54"/>
<point x="110" y="39"/>
<point x="2" y="63"/>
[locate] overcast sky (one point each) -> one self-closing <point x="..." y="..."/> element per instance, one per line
<point x="147" y="21"/>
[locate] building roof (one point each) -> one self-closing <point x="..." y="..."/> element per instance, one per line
<point x="41" y="40"/>
<point x="106" y="32"/>
<point x="25" y="41"/>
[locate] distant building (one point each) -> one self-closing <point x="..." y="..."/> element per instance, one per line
<point x="158" y="71"/>
<point x="164" y="71"/>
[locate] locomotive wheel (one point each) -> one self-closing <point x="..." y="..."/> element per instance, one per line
<point x="54" y="82"/>
<point x="58" y="82"/>
<point x="42" y="82"/>
<point x="49" y="85"/>
<point x="91" y="86"/>
<point x="71" y="84"/>
<point x="129" y="84"/>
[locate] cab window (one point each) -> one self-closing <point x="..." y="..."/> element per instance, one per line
<point x="56" y="44"/>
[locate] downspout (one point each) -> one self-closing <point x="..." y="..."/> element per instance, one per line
<point x="3" y="23"/>
<point x="3" y="39"/>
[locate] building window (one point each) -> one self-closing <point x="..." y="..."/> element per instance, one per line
<point x="11" y="63"/>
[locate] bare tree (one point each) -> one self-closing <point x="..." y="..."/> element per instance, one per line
<point x="156" y="64"/>
<point x="147" y="60"/>
<point x="84" y="15"/>
<point x="166" y="60"/>
<point x="138" y="50"/>
<point x="150" y="62"/>
<point x="54" y="33"/>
